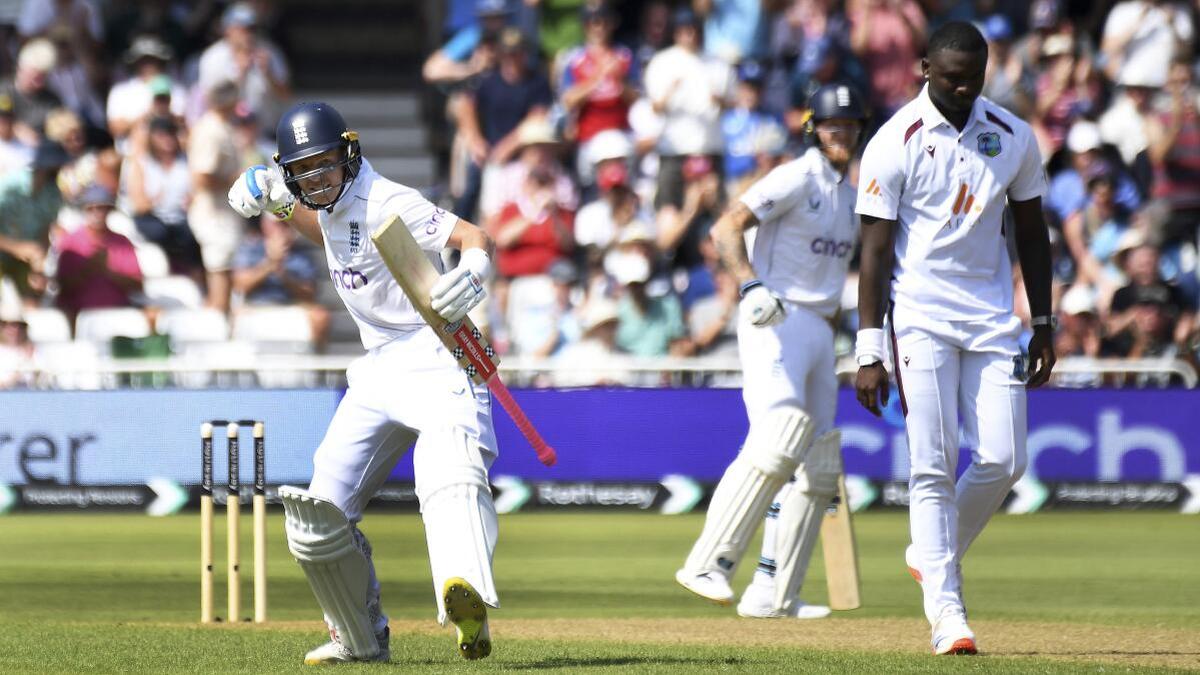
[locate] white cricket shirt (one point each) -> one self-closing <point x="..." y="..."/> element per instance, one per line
<point x="806" y="232"/>
<point x="946" y="190"/>
<point x="363" y="281"/>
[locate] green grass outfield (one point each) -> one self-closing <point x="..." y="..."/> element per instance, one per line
<point x="594" y="592"/>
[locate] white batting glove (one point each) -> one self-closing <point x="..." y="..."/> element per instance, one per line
<point x="759" y="306"/>
<point x="259" y="189"/>
<point x="458" y="291"/>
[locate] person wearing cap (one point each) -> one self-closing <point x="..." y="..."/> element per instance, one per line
<point x="29" y="89"/>
<point x="29" y="204"/>
<point x="887" y="35"/>
<point x="596" y="347"/>
<point x="14" y="154"/>
<point x="1144" y="34"/>
<point x="688" y="89"/>
<point x="789" y="283"/>
<point x="130" y="100"/>
<point x="256" y="65"/>
<point x="96" y="266"/>
<point x="472" y="50"/>
<point x="156" y="187"/>
<point x="600" y="221"/>
<point x="746" y="124"/>
<point x="595" y="87"/>
<point x="1078" y="334"/>
<point x="212" y="156"/>
<point x="1068" y="188"/>
<point x="491" y="115"/>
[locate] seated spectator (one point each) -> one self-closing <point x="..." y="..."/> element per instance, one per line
<point x="712" y="319"/>
<point x="743" y="125"/>
<point x="1174" y="152"/>
<point x="14" y="153"/>
<point x="600" y="221"/>
<point x="255" y="65"/>
<point x="29" y="206"/>
<point x="533" y="230"/>
<point x="680" y="230"/>
<point x="541" y="317"/>
<point x="16" y="351"/>
<point x="688" y="89"/>
<point x="130" y="101"/>
<point x="29" y="90"/>
<point x="537" y="152"/>
<point x="597" y="348"/>
<point x="1067" y="192"/>
<point x="66" y="128"/>
<point x="1066" y="91"/>
<point x="1007" y="83"/>
<point x="156" y="187"/>
<point x="1148" y="317"/>
<point x="212" y="156"/>
<point x="493" y="114"/>
<point x="96" y="266"/>
<point x="1093" y="232"/>
<point x="595" y="88"/>
<point x="1078" y="334"/>
<point x="269" y="269"/>
<point x="650" y="316"/>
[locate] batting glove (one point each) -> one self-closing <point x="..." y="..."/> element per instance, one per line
<point x="458" y="291"/>
<point x="261" y="189"/>
<point x="759" y="306"/>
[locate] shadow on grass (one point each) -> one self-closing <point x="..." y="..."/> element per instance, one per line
<point x="607" y="661"/>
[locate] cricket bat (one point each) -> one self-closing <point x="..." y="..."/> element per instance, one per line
<point x="416" y="275"/>
<point x="841" y="552"/>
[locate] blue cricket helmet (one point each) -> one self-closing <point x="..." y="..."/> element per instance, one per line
<point x="307" y="130"/>
<point x="837" y="101"/>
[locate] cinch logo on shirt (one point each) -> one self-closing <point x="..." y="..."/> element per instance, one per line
<point x="832" y="247"/>
<point x="349" y="279"/>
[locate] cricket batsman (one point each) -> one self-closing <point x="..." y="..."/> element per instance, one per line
<point x="932" y="193"/>
<point x="801" y="216"/>
<point x="407" y="388"/>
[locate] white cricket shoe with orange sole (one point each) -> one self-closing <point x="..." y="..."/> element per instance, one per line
<point x="951" y="635"/>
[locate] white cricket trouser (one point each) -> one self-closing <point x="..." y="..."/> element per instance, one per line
<point x="947" y="370"/>
<point x="791" y="364"/>
<point x="409" y="390"/>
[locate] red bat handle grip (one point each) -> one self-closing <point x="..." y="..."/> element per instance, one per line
<point x="544" y="452"/>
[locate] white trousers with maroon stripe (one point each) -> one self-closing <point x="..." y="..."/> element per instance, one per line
<point x="951" y="372"/>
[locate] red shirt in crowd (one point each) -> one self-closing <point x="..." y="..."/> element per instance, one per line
<point x="94" y="289"/>
<point x="604" y="108"/>
<point x="538" y="246"/>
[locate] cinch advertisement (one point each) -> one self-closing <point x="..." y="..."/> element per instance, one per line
<point x="651" y="449"/>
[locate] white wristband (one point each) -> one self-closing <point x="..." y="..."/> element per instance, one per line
<point x="476" y="260"/>
<point x="870" y="344"/>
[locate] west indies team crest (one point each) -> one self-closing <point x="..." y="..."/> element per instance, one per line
<point x="989" y="143"/>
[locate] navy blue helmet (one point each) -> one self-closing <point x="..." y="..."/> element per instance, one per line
<point x="307" y="130"/>
<point x="837" y="101"/>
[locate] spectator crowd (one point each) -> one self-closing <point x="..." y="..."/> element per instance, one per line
<point x="597" y="142"/>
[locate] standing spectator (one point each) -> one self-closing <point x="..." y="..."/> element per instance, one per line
<point x="1066" y="92"/>
<point x="1007" y="83"/>
<point x="156" y="187"/>
<point x="82" y="17"/>
<point x="887" y="36"/>
<point x="1148" y="317"/>
<point x="254" y="64"/>
<point x="680" y="230"/>
<point x="688" y="90"/>
<point x="73" y="79"/>
<point x="1174" y="151"/>
<point x="595" y="86"/>
<point x="213" y="159"/>
<point x="733" y="29"/>
<point x="1068" y="189"/>
<point x="649" y="324"/>
<point x="1143" y="35"/>
<point x="269" y="269"/>
<point x="1125" y="124"/>
<point x="746" y="125"/>
<point x="29" y="205"/>
<point x="654" y="35"/>
<point x="96" y="266"/>
<point x="31" y="97"/>
<point x="472" y="50"/>
<point x="492" y="116"/>
<point x="130" y="101"/>
<point x="14" y="154"/>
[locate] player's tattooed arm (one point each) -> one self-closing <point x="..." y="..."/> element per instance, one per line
<point x="1033" y="251"/>
<point x="729" y="236"/>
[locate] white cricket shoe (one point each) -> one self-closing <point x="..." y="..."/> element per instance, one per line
<point x="910" y="559"/>
<point x="711" y="586"/>
<point x="951" y="635"/>
<point x="758" y="602"/>
<point x="468" y="612"/>
<point x="334" y="652"/>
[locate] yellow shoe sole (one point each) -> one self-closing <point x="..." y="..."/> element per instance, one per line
<point x="467" y="611"/>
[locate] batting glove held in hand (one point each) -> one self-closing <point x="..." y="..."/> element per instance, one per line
<point x="458" y="291"/>
<point x="261" y="189"/>
<point x="760" y="307"/>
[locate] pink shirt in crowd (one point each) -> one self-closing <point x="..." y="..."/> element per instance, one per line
<point x="99" y="290"/>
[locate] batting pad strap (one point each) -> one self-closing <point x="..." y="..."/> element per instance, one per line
<point x="820" y="470"/>
<point x="778" y="441"/>
<point x="737" y="507"/>
<point x="322" y="541"/>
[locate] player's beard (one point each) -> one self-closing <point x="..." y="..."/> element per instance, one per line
<point x="838" y="154"/>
